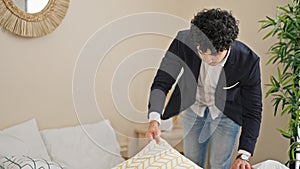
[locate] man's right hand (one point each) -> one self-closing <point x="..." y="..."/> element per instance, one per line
<point x="153" y="131"/>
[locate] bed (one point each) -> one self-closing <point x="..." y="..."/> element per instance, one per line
<point x="90" y="146"/>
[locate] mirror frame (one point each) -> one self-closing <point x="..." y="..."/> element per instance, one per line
<point x="38" y="24"/>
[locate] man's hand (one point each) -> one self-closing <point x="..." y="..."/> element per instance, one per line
<point x="241" y="164"/>
<point x="153" y="131"/>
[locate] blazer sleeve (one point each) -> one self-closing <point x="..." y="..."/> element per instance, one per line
<point x="166" y="76"/>
<point x="251" y="108"/>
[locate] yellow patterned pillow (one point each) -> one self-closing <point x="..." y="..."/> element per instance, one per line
<point x="158" y="156"/>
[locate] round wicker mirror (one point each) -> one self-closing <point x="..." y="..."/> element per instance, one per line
<point x="26" y="24"/>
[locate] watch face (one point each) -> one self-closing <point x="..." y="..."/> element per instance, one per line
<point x="245" y="157"/>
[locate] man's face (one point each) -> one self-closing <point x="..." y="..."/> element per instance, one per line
<point x="211" y="60"/>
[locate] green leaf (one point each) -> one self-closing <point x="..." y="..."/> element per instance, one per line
<point x="290" y="36"/>
<point x="288" y="27"/>
<point x="289" y="80"/>
<point x="263" y="21"/>
<point x="283" y="9"/>
<point x="271" y="20"/>
<point x="284" y="133"/>
<point x="294" y="146"/>
<point x="286" y="67"/>
<point x="272" y="90"/>
<point x="292" y="153"/>
<point x="287" y="87"/>
<point x="286" y="109"/>
<point x="271" y="59"/>
<point x="265" y="25"/>
<point x="276" y="106"/>
<point x="268" y="34"/>
<point x="279" y="75"/>
<point x="276" y="29"/>
<point x="291" y="8"/>
<point x="267" y="84"/>
<point x="275" y="82"/>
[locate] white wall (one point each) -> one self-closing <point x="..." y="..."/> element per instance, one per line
<point x="36" y="74"/>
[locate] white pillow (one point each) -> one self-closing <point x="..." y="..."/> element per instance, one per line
<point x="86" y="146"/>
<point x="270" y="164"/>
<point x="23" y="139"/>
<point x="26" y="162"/>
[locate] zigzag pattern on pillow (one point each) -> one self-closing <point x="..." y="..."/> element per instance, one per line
<point x="158" y="156"/>
<point x="26" y="162"/>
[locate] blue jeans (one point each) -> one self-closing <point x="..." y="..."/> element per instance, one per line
<point x="220" y="133"/>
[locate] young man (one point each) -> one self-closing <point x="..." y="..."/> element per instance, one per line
<point x="218" y="91"/>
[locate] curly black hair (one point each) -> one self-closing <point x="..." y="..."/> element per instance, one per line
<point x="214" y="29"/>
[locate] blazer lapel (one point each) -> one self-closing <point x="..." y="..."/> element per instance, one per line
<point x="229" y="67"/>
<point x="225" y="78"/>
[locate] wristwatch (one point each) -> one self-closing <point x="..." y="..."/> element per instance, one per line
<point x="243" y="157"/>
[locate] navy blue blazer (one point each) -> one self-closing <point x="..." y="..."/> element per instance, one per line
<point x="238" y="92"/>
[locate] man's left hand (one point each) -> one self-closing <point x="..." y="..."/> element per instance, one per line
<point x="241" y="164"/>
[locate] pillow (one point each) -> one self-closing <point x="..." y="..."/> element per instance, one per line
<point x="26" y="162"/>
<point x="86" y="146"/>
<point x="23" y="139"/>
<point x="160" y="155"/>
<point x="270" y="164"/>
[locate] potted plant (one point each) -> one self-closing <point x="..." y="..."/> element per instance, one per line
<point x="285" y="54"/>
